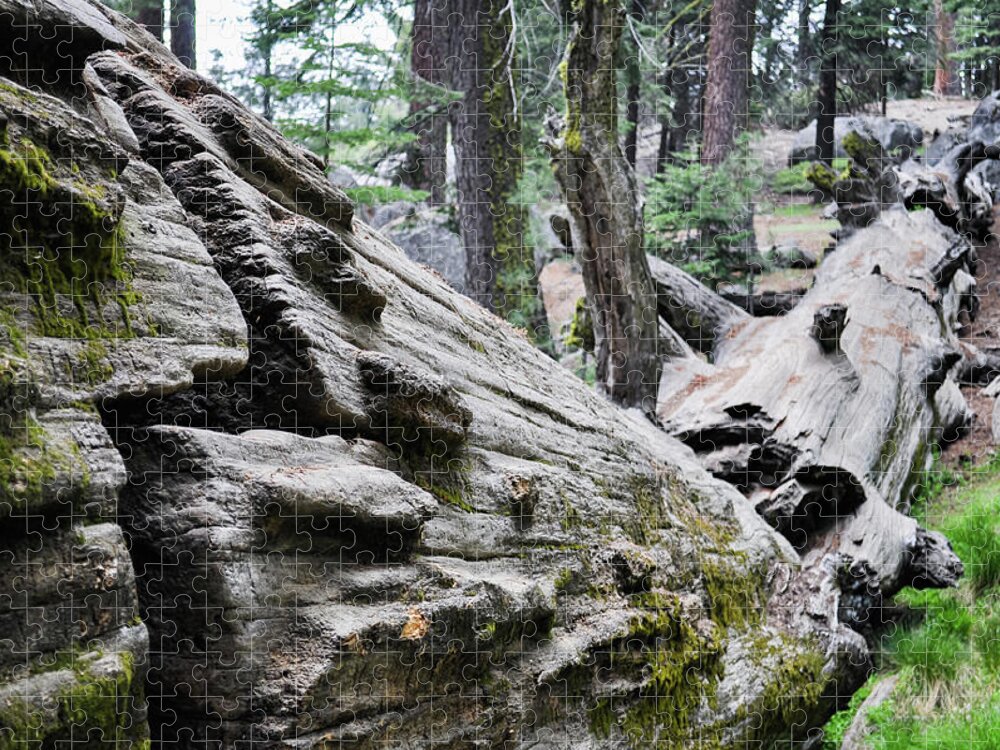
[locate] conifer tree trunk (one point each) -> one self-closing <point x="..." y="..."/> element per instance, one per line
<point x="727" y="105"/>
<point x="606" y="211"/>
<point x="804" y="47"/>
<point x="427" y="61"/>
<point x="633" y="77"/>
<point x="945" y="80"/>
<point x="267" y="100"/>
<point x="727" y="94"/>
<point x="827" y="95"/>
<point x="149" y="13"/>
<point x="678" y="126"/>
<point x="182" y="31"/>
<point x="486" y="133"/>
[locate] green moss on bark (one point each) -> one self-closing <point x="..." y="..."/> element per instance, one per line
<point x="581" y="328"/>
<point x="516" y="284"/>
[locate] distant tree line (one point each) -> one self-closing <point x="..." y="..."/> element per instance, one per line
<point x="560" y="99"/>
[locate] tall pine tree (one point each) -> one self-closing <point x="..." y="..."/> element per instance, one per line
<point x="183" y="17"/>
<point x="486" y="134"/>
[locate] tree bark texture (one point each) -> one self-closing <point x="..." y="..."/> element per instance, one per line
<point x="486" y="133"/>
<point x="429" y="40"/>
<point x="824" y="418"/>
<point x="827" y="95"/>
<point x="149" y="13"/>
<point x="633" y="76"/>
<point x="691" y="309"/>
<point x="728" y="79"/>
<point x="945" y="76"/>
<point x="606" y="212"/>
<point x="182" y="31"/>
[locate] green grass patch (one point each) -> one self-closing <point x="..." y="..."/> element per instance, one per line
<point x="975" y="535"/>
<point x="840" y="722"/>
<point x="977" y="725"/>
<point x="798" y="210"/>
<point x="947" y="696"/>
<point x="935" y="650"/>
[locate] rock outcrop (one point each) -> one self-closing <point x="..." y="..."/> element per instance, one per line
<point x="890" y="134"/>
<point x="264" y="479"/>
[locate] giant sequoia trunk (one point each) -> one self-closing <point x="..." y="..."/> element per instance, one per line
<point x="606" y="212"/>
<point x="486" y="134"/>
<point x="427" y="55"/>
<point x="727" y="86"/>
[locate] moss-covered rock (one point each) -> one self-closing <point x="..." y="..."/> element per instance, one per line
<point x="89" y="698"/>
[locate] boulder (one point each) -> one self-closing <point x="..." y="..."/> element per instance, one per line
<point x="430" y="237"/>
<point x="890" y="133"/>
<point x="984" y="126"/>
<point x="944" y="142"/>
<point x="791" y="256"/>
<point x="388" y="213"/>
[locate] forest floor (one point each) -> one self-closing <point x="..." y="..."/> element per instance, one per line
<point x="561" y="285"/>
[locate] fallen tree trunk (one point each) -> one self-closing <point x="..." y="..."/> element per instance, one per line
<point x="690" y="308"/>
<point x="824" y="418"/>
<point x="764" y="304"/>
